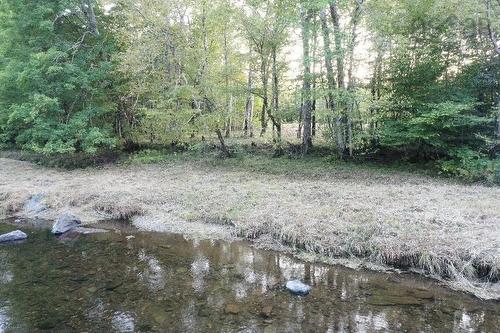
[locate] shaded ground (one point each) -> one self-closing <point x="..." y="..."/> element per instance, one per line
<point x="447" y="230"/>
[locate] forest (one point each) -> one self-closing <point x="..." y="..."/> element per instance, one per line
<point x="416" y="81"/>
<point x="249" y="165"/>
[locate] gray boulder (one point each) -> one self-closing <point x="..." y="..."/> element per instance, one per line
<point x="65" y="223"/>
<point x="34" y="205"/>
<point x="13" y="236"/>
<point x="298" y="288"/>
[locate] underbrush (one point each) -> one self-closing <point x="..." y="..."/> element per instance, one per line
<point x="471" y="166"/>
<point x="65" y="161"/>
<point x="261" y="158"/>
<point x="254" y="156"/>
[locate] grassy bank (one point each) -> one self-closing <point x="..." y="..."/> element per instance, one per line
<point x="388" y="215"/>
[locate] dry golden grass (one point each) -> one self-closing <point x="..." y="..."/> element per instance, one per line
<point x="447" y="230"/>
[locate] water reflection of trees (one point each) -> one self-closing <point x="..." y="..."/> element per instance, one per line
<point x="111" y="283"/>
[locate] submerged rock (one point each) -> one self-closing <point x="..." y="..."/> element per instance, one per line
<point x="159" y="315"/>
<point x="393" y="300"/>
<point x="270" y="329"/>
<point x="266" y="311"/>
<point x="13" y="236"/>
<point x="298" y="288"/>
<point x="34" y="205"/>
<point x="76" y="232"/>
<point x="65" y="223"/>
<point x="89" y="231"/>
<point x="232" y="309"/>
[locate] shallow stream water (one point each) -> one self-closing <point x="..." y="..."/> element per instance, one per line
<point x="131" y="281"/>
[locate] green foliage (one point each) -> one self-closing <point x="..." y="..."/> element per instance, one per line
<point x="433" y="132"/>
<point x="65" y="160"/>
<point x="169" y="72"/>
<point x="440" y="85"/>
<point x="147" y="156"/>
<point x="471" y="165"/>
<point x="55" y="79"/>
<point x="189" y="84"/>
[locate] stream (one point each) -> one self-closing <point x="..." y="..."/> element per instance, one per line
<point x="131" y="281"/>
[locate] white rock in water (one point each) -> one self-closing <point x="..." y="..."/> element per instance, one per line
<point x="65" y="223"/>
<point x="13" y="236"/>
<point x="298" y="288"/>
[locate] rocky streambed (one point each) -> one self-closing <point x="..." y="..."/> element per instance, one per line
<point x="125" y="280"/>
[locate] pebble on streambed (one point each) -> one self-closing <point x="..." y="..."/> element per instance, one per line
<point x="296" y="287"/>
<point x="13" y="236"/>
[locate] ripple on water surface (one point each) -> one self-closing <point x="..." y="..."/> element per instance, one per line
<point x="165" y="283"/>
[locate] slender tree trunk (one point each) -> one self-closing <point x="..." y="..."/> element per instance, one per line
<point x="223" y="146"/>
<point x="496" y="148"/>
<point x="314" y="79"/>
<point x="201" y="77"/>
<point x="340" y="121"/>
<point x="313" y="131"/>
<point x="375" y="91"/>
<point x="335" y="125"/>
<point x="496" y="47"/>
<point x="338" y="43"/>
<point x="356" y="16"/>
<point x="248" y="126"/>
<point x="275" y="91"/>
<point x="349" y="132"/>
<point x="306" y="88"/>
<point x="228" y="124"/>
<point x="229" y="97"/>
<point x="301" y="117"/>
<point x="265" y="101"/>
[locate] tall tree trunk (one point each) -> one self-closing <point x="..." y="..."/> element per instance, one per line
<point x="313" y="131"/>
<point x="228" y="124"/>
<point x="200" y="79"/>
<point x="248" y="126"/>
<point x="496" y="47"/>
<point x="314" y="79"/>
<point x="375" y="91"/>
<point x="497" y="133"/>
<point x="496" y="148"/>
<point x="265" y="101"/>
<point x="340" y="121"/>
<point x="338" y="43"/>
<point x="349" y="131"/>
<point x="301" y="117"/>
<point x="356" y="16"/>
<point x="229" y="97"/>
<point x="332" y="85"/>
<point x="306" y="88"/>
<point x="275" y="117"/>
